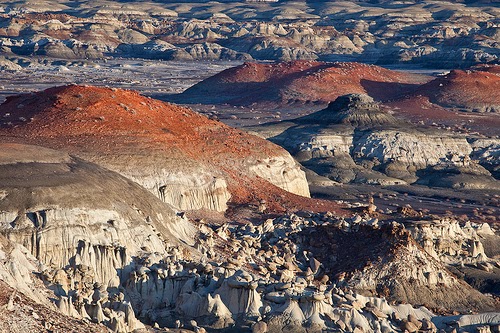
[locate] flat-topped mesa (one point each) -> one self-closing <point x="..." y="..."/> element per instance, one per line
<point x="354" y="101"/>
<point x="182" y="157"/>
<point x="352" y="109"/>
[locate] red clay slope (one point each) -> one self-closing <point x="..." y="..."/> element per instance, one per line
<point x="300" y="82"/>
<point x="91" y="121"/>
<point x="477" y="89"/>
<point x="444" y="99"/>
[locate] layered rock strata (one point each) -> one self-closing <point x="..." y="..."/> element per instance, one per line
<point x="355" y="140"/>
<point x="120" y="260"/>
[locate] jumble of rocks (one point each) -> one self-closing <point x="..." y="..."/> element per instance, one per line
<point x="262" y="277"/>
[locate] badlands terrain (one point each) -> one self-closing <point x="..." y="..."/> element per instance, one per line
<point x="127" y="213"/>
<point x="249" y="166"/>
<point x="434" y="34"/>
<point x="430" y="141"/>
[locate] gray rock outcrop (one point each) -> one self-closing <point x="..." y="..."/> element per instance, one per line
<point x="354" y="140"/>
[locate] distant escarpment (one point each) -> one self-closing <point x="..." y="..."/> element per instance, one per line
<point x="443" y="34"/>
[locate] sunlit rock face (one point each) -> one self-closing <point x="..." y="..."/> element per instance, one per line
<point x="70" y="211"/>
<point x="60" y="212"/>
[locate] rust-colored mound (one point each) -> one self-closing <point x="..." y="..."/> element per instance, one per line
<point x="126" y="131"/>
<point x="473" y="90"/>
<point x="300" y="82"/>
<point x="420" y="109"/>
<point x="92" y="118"/>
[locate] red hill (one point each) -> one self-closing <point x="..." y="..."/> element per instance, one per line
<point x="473" y="90"/>
<point x="161" y="146"/>
<point x="299" y="82"/>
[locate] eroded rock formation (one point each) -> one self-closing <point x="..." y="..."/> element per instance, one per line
<point x="356" y="140"/>
<point x="160" y="146"/>
<point x="296" y="272"/>
<point x="131" y="265"/>
<point x="442" y="34"/>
